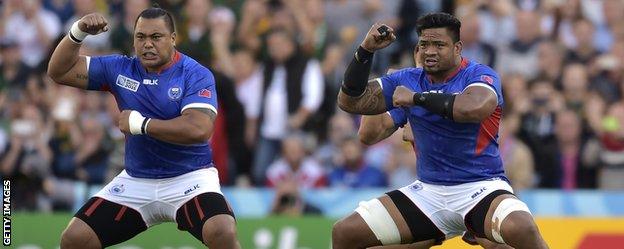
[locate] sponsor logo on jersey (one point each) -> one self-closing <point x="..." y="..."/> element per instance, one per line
<point x="117" y="189"/>
<point x="478" y="192"/>
<point x="150" y="82"/>
<point x="127" y="83"/>
<point x="174" y="93"/>
<point x="191" y="189"/>
<point x="205" y="93"/>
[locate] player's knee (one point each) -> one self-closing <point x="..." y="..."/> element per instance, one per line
<point x="519" y="224"/>
<point x="340" y="234"/>
<point x="76" y="238"/>
<point x="225" y="231"/>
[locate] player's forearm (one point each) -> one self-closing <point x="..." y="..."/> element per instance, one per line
<point x="63" y="59"/>
<point x="181" y="130"/>
<point x="374" y="128"/>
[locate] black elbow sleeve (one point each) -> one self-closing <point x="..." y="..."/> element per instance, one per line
<point x="356" y="75"/>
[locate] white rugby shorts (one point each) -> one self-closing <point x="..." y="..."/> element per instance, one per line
<point x="157" y="200"/>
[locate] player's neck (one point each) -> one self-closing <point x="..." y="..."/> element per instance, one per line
<point x="443" y="77"/>
<point x="172" y="60"/>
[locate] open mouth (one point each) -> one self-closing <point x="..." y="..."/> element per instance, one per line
<point x="149" y="56"/>
<point x="431" y="62"/>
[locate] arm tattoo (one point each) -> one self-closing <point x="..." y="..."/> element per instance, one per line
<point x="370" y="103"/>
<point x="210" y="113"/>
<point x="82" y="76"/>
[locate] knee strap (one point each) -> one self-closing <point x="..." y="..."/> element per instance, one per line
<point x="379" y="221"/>
<point x="505" y="207"/>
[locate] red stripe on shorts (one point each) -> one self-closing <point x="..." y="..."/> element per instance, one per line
<point x="120" y="213"/>
<point x="199" y="210"/>
<point x="187" y="216"/>
<point x="93" y="206"/>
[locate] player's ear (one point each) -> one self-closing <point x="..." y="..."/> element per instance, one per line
<point x="173" y="38"/>
<point x="458" y="47"/>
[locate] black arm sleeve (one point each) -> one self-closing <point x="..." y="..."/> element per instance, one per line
<point x="356" y="75"/>
<point x="438" y="103"/>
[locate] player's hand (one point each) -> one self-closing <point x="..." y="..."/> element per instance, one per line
<point x="123" y="121"/>
<point x="93" y="24"/>
<point x="402" y="97"/>
<point x="375" y="40"/>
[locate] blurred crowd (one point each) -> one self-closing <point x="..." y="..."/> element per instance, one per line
<point x="278" y="65"/>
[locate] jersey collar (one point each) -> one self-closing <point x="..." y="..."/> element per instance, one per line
<point x="177" y="56"/>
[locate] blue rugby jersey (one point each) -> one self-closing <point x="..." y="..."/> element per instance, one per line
<point x="163" y="95"/>
<point x="448" y="152"/>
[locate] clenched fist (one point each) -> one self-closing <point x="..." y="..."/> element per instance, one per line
<point x="375" y="40"/>
<point x="123" y="121"/>
<point x="93" y="24"/>
<point x="402" y="97"/>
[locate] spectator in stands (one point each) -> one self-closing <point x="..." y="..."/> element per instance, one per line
<point x="584" y="51"/>
<point x="194" y="31"/>
<point x="575" y="85"/>
<point x="27" y="159"/>
<point x="474" y="48"/>
<point x="124" y="27"/>
<point x="550" y="61"/>
<point x="574" y="173"/>
<point x="353" y="171"/>
<point x="516" y="155"/>
<point x="341" y="126"/>
<point x="296" y="165"/>
<point x="537" y="131"/>
<point x="292" y="90"/>
<point x="288" y="201"/>
<point x="606" y="152"/>
<point x="520" y="56"/>
<point x="609" y="70"/>
<point x="33" y="27"/>
<point x="13" y="71"/>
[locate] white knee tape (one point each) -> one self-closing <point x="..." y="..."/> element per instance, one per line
<point x="504" y="208"/>
<point x="380" y="222"/>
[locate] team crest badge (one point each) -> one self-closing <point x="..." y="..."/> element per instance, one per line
<point x="416" y="186"/>
<point x="117" y="189"/>
<point x="174" y="93"/>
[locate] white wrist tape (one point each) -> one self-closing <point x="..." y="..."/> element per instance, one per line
<point x="137" y="123"/>
<point x="75" y="34"/>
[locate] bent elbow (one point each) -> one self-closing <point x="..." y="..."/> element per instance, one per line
<point x="367" y="137"/>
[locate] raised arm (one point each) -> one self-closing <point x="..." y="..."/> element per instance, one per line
<point x="66" y="66"/>
<point x="357" y="94"/>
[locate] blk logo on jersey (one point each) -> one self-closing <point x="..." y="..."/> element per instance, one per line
<point x="205" y="93"/>
<point x="174" y="93"/>
<point x="150" y="82"/>
<point x="127" y="83"/>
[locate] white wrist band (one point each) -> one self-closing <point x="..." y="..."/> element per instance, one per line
<point x="75" y="34"/>
<point x="137" y="123"/>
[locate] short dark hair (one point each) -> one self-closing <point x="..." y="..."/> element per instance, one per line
<point x="439" y="20"/>
<point x="157" y="12"/>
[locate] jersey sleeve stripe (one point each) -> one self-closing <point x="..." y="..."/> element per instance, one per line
<point x="199" y="105"/>
<point x="379" y="81"/>
<point x="483" y="85"/>
<point x="88" y="60"/>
